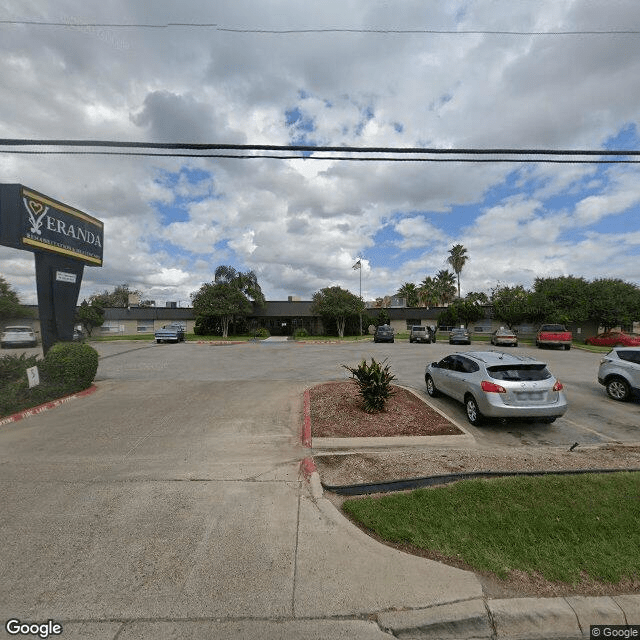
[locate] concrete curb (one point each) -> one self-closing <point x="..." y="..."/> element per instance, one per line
<point x="513" y="618"/>
<point x="46" y="406"/>
<point x="562" y="618"/>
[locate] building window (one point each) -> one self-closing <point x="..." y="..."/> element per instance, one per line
<point x="145" y="326"/>
<point x="112" y="326"/>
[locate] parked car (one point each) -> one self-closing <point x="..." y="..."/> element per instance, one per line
<point x="554" y="335"/>
<point x="170" y="333"/>
<point x="383" y="333"/>
<point x="18" y="337"/>
<point x="614" y="339"/>
<point x="420" y="333"/>
<point x="497" y="385"/>
<point x="619" y="372"/>
<point x="459" y="336"/>
<point x="505" y="337"/>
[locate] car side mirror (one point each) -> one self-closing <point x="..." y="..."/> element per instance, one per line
<point x="435" y="364"/>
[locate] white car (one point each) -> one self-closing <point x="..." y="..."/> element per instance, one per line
<point x="619" y="372"/>
<point x="18" y="337"/>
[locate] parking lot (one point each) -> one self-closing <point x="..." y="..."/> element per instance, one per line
<point x="592" y="417"/>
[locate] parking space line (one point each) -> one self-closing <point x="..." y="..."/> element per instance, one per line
<point x="580" y="426"/>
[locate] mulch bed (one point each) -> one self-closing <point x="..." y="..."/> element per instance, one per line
<point x="337" y="412"/>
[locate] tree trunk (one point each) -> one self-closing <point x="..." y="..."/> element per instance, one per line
<point x="340" y="322"/>
<point x="225" y="325"/>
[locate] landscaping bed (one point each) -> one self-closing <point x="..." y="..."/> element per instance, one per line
<point x="336" y="412"/>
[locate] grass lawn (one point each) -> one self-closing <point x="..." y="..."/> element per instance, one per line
<point x="560" y="526"/>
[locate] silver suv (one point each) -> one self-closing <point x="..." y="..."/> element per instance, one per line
<point x="420" y="333"/>
<point x="620" y="372"/>
<point x="497" y="385"/>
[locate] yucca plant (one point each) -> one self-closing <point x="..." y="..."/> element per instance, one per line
<point x="374" y="381"/>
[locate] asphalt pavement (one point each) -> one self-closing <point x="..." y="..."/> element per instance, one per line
<point x="177" y="502"/>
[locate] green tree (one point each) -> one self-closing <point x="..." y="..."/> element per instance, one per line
<point x="90" y="315"/>
<point x="119" y="297"/>
<point x="457" y="259"/>
<point x="337" y="304"/>
<point x="613" y="302"/>
<point x="10" y="306"/>
<point x="231" y="296"/>
<point x="409" y="292"/>
<point x="221" y="301"/>
<point x="464" y="311"/>
<point x="445" y="286"/>
<point x="562" y="300"/>
<point x="511" y="305"/>
<point x="427" y="293"/>
<point x="245" y="282"/>
<point x="382" y="317"/>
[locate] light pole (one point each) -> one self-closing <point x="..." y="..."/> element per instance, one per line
<point x="358" y="265"/>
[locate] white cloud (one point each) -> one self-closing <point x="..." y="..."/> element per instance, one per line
<point x="301" y="224"/>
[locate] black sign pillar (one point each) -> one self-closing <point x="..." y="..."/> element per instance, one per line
<point x="64" y="240"/>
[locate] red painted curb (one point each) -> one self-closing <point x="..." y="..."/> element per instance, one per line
<point x="307" y="467"/>
<point x="306" y="427"/>
<point x="46" y="406"/>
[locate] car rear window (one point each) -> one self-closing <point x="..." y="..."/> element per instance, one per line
<point x="629" y="356"/>
<point x="520" y="372"/>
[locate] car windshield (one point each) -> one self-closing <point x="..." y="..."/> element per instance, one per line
<point x="19" y="329"/>
<point x="520" y="372"/>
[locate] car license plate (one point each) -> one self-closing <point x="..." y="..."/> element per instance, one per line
<point x="530" y="395"/>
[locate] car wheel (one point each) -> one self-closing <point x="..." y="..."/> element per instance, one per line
<point x="473" y="413"/>
<point x="567" y="347"/>
<point x="431" y="386"/>
<point x="618" y="389"/>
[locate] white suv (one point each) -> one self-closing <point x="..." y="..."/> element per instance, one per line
<point x="620" y="372"/>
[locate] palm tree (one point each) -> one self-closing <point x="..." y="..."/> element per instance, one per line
<point x="445" y="286"/>
<point x="457" y="259"/>
<point x="427" y="292"/>
<point x="409" y="292"/>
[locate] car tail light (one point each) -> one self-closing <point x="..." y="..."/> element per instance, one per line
<point x="492" y="387"/>
<point x="558" y="386"/>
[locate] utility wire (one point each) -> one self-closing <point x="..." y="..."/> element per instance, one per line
<point x="311" y="152"/>
<point x="536" y="160"/>
<point x="19" y="142"/>
<point x="210" y="25"/>
<point x="317" y="148"/>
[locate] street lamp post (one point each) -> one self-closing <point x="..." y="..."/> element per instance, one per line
<point x="358" y="265"/>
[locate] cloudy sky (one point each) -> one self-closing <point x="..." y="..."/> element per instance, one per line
<point x="405" y="73"/>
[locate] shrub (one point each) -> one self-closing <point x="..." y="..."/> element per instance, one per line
<point x="70" y="365"/>
<point x="374" y="381"/>
<point x="15" y="367"/>
<point x="301" y="333"/>
<point x="262" y="333"/>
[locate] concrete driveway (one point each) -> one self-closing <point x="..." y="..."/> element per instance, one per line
<point x="170" y="504"/>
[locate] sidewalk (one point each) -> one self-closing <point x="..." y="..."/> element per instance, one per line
<point x="157" y="509"/>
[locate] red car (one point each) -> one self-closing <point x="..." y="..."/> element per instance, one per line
<point x="613" y="339"/>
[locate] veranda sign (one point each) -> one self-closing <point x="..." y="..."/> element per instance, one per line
<point x="64" y="240"/>
<point x="32" y="221"/>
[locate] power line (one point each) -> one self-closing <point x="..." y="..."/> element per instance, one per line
<point x="304" y="152"/>
<point x="320" y="30"/>
<point x="325" y="158"/>
<point x="203" y="146"/>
